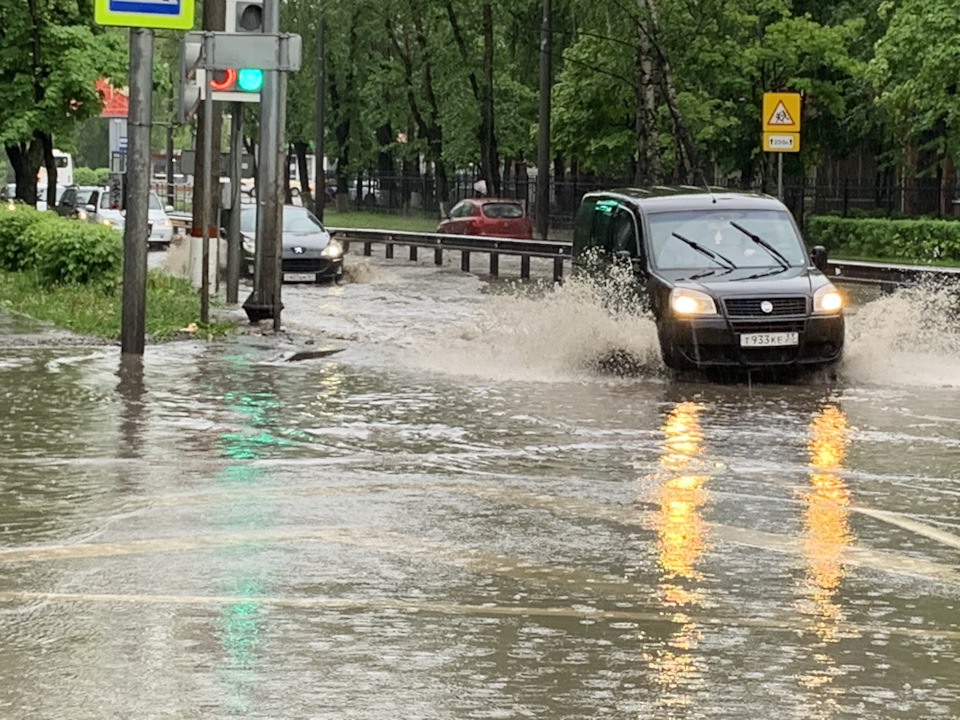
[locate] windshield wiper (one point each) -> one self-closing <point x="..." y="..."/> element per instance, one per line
<point x="708" y="273"/>
<point x="719" y="259"/>
<point x="774" y="271"/>
<point x="777" y="255"/>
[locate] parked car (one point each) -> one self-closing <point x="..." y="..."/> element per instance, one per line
<point x="76" y="198"/>
<point x="309" y="253"/>
<point x="488" y="216"/>
<point x="42" y="195"/>
<point x="727" y="276"/>
<point x="106" y="212"/>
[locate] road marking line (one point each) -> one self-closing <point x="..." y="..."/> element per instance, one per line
<point x="581" y="613"/>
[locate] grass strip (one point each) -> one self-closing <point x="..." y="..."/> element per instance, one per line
<point x="172" y="305"/>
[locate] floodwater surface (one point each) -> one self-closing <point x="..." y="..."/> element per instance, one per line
<point x="469" y="512"/>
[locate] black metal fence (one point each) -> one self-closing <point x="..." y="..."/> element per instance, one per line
<point x="418" y="195"/>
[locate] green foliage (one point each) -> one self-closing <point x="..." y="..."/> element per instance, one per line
<point x="915" y="241"/>
<point x="171" y="305"/>
<point x="85" y="176"/>
<point x="52" y="56"/>
<point x="60" y="251"/>
<point x="16" y="253"/>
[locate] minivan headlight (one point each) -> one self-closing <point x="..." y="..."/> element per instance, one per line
<point x="686" y="302"/>
<point x="827" y="300"/>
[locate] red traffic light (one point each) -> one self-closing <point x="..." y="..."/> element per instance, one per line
<point x="223" y="80"/>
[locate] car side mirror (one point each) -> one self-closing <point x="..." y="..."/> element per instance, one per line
<point x="168" y="208"/>
<point x="90" y="208"/>
<point x="818" y="256"/>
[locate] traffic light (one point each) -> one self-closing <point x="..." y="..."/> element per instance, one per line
<point x="191" y="78"/>
<point x="244" y="16"/>
<point x="240" y="84"/>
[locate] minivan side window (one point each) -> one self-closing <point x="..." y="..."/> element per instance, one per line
<point x="623" y="233"/>
<point x="583" y="226"/>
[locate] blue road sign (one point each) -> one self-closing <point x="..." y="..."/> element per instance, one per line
<point x="171" y="14"/>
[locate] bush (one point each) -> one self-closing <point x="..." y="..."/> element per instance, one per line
<point x="84" y="176"/>
<point x="16" y="253"/>
<point x="915" y="241"/>
<point x="74" y="252"/>
<point x="91" y="176"/>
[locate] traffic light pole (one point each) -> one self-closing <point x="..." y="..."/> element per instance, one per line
<point x="234" y="243"/>
<point x="205" y="191"/>
<point x="264" y="302"/>
<point x="133" y="312"/>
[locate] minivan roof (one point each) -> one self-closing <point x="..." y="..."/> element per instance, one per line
<point x="662" y="198"/>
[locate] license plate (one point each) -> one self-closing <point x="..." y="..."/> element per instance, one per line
<point x="775" y="339"/>
<point x="300" y="277"/>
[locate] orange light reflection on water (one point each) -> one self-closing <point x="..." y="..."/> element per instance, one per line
<point x="827" y="534"/>
<point x="681" y="533"/>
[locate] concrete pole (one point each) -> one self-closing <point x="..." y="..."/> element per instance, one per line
<point x="264" y="301"/>
<point x="320" y="175"/>
<point x="543" y="132"/>
<point x="171" y="107"/>
<point x="135" y="232"/>
<point x="205" y="188"/>
<point x="234" y="249"/>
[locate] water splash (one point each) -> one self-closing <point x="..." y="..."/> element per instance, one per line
<point x="910" y="337"/>
<point x="586" y="326"/>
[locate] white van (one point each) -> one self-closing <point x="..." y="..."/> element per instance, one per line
<point x="64" y="163"/>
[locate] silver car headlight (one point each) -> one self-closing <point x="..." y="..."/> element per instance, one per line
<point x="333" y="250"/>
<point x="827" y="300"/>
<point x="249" y="246"/>
<point x="686" y="302"/>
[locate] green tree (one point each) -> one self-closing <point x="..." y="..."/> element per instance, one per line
<point x="916" y="72"/>
<point x="51" y="55"/>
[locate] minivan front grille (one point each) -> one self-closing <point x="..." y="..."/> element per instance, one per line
<point x="752" y="306"/>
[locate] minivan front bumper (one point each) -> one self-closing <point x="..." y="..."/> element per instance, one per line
<point x="714" y="342"/>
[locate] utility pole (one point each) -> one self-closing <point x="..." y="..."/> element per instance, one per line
<point x="133" y="313"/>
<point x="319" y="172"/>
<point x="264" y="301"/>
<point x="543" y="132"/>
<point x="234" y="248"/>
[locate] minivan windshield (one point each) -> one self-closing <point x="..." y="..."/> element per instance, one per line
<point x="726" y="233"/>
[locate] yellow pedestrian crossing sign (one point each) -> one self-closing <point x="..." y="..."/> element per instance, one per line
<point x="781" y="112"/>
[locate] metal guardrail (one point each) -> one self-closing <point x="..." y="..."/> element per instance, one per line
<point x="465" y="244"/>
<point x="889" y="275"/>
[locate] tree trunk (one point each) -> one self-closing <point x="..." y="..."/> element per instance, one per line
<point x="649" y="170"/>
<point x="909" y="184"/>
<point x="386" y="169"/>
<point x="947" y="185"/>
<point x="46" y="142"/>
<point x="214" y="17"/>
<point x="490" y="162"/>
<point x="426" y="120"/>
<point x="26" y="159"/>
<point x="691" y="156"/>
<point x="489" y="167"/>
<point x="300" y="148"/>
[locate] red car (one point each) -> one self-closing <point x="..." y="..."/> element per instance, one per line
<point x="488" y="216"/>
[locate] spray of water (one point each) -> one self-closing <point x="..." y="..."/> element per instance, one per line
<point x="590" y="324"/>
<point x="910" y="337"/>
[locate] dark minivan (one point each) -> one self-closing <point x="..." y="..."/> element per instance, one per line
<point x="728" y="277"/>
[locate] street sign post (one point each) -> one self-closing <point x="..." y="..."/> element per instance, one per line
<point x="154" y="14"/>
<point x="781" y="128"/>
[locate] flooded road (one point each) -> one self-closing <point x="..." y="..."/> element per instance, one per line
<point x="465" y="514"/>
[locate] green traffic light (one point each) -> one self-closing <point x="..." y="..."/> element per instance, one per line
<point x="250" y="80"/>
